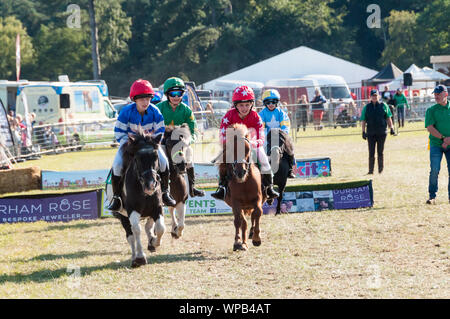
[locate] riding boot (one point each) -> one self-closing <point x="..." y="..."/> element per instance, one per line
<point x="380" y="163"/>
<point x="116" y="202"/>
<point x="222" y="189"/>
<point x="293" y="166"/>
<point x="191" y="178"/>
<point x="267" y="183"/>
<point x="166" y="197"/>
<point x="371" y="165"/>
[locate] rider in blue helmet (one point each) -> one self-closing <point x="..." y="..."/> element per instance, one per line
<point x="275" y="117"/>
<point x="156" y="98"/>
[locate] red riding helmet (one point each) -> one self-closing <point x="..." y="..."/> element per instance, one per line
<point x="243" y="93"/>
<point x="141" y="88"/>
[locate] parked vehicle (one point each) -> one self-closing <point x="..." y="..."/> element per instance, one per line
<point x="332" y="87"/>
<point x="223" y="89"/>
<point x="220" y="108"/>
<point x="54" y="102"/>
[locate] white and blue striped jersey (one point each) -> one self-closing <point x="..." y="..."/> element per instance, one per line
<point x="129" y="121"/>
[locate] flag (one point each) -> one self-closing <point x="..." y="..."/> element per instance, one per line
<point x="18" y="57"/>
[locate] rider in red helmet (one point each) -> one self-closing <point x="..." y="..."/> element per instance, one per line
<point x="140" y="114"/>
<point x="243" y="113"/>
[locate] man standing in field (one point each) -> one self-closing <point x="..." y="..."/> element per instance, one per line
<point x="437" y="122"/>
<point x="376" y="117"/>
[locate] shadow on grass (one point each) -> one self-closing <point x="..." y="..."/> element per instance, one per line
<point x="77" y="255"/>
<point x="41" y="276"/>
<point x="72" y="226"/>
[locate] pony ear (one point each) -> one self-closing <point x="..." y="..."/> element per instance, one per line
<point x="157" y="138"/>
<point x="131" y="137"/>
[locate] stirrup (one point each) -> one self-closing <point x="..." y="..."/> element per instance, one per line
<point x="119" y="200"/>
<point x="169" y="199"/>
<point x="216" y="194"/>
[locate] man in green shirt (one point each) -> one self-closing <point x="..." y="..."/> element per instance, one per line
<point x="376" y="116"/>
<point x="400" y="103"/>
<point x="175" y="112"/>
<point x="437" y="122"/>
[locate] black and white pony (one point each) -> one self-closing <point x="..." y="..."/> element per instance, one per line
<point x="176" y="141"/>
<point x="279" y="150"/>
<point x="141" y="195"/>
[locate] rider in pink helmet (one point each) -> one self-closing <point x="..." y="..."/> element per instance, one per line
<point x="243" y="113"/>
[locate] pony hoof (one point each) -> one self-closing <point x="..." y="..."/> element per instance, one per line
<point x="256" y="243"/>
<point x="239" y="247"/>
<point x="138" y="262"/>
<point x="174" y="235"/>
<point x="151" y="248"/>
<point x="269" y="201"/>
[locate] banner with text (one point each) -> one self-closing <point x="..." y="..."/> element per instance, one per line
<point x="54" y="208"/>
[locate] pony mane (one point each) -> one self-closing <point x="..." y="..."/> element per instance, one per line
<point x="241" y="130"/>
<point x="135" y="143"/>
<point x="182" y="130"/>
<point x="283" y="140"/>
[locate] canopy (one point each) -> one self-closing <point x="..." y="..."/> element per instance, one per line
<point x="296" y="63"/>
<point x="387" y="74"/>
<point x="424" y="78"/>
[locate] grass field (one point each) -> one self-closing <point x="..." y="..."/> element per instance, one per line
<point x="397" y="249"/>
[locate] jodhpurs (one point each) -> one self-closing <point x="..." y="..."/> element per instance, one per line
<point x="118" y="161"/>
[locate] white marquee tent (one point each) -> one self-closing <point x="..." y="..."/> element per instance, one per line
<point x="296" y="63"/>
<point x="424" y="78"/>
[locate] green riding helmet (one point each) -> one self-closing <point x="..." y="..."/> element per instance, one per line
<point x="173" y="83"/>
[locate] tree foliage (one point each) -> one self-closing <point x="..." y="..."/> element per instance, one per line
<point x="10" y="27"/>
<point x="203" y="39"/>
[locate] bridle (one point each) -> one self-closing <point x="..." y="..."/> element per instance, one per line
<point x="140" y="175"/>
<point x="246" y="163"/>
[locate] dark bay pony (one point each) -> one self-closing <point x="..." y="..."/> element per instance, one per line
<point x="279" y="146"/>
<point x="141" y="195"/>
<point x="176" y="141"/>
<point x="244" y="194"/>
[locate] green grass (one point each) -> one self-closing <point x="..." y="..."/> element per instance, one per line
<point x="397" y="249"/>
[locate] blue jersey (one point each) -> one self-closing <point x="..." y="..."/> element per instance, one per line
<point x="275" y="119"/>
<point x="129" y="121"/>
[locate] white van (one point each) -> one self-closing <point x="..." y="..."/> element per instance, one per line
<point x="333" y="87"/>
<point x="54" y="102"/>
<point x="223" y="89"/>
<point x="8" y="93"/>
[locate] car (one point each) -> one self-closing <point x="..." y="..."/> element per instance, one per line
<point x="220" y="108"/>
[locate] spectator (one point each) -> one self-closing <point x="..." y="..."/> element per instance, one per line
<point x="302" y="112"/>
<point x="388" y="99"/>
<point x="376" y="116"/>
<point x="317" y="106"/>
<point x="400" y="102"/>
<point x="437" y="122"/>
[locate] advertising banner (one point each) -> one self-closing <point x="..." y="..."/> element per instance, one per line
<point x="194" y="206"/>
<point x="64" y="207"/>
<point x="317" y="200"/>
<point x="316" y="167"/>
<point x="74" y="179"/>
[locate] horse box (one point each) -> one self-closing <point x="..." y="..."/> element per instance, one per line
<point x="54" y="102"/>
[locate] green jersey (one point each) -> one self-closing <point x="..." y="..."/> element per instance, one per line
<point x="401" y="101"/>
<point x="182" y="114"/>
<point x="438" y="116"/>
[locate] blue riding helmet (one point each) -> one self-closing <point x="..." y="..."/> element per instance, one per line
<point x="156" y="98"/>
<point x="271" y="94"/>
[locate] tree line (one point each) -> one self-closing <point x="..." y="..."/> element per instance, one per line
<point x="203" y="39"/>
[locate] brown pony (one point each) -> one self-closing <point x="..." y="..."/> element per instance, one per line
<point x="244" y="194"/>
